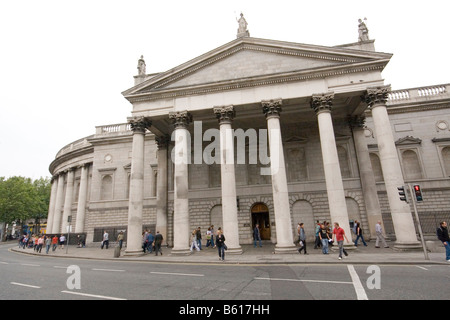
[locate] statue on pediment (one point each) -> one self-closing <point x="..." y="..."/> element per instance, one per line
<point x="242" y="30"/>
<point x="141" y="66"/>
<point x="363" y="31"/>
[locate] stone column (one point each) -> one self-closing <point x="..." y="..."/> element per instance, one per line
<point x="56" y="228"/>
<point x="180" y="157"/>
<point x="225" y="115"/>
<point x="405" y="232"/>
<point x="322" y="105"/>
<point x="68" y="200"/>
<point x="136" y="198"/>
<point x="369" y="187"/>
<point x="161" y="186"/>
<point x="51" y="207"/>
<point x="283" y="223"/>
<point x="82" y="196"/>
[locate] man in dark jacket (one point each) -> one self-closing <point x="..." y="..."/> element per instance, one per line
<point x="442" y="233"/>
<point x="158" y="240"/>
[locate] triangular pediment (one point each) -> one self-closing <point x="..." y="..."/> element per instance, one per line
<point x="252" y="60"/>
<point x="408" y="140"/>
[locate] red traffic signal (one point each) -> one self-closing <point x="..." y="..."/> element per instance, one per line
<point x="418" y="192"/>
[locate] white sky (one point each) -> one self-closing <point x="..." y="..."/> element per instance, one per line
<point x="64" y="63"/>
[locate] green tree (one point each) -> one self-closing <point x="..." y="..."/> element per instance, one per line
<point x="22" y="198"/>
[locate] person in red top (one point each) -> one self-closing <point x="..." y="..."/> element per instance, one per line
<point x="339" y="235"/>
<point x="54" y="242"/>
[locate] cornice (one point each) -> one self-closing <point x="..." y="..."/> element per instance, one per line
<point x="288" y="77"/>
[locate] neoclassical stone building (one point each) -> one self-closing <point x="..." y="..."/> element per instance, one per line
<point x="260" y="131"/>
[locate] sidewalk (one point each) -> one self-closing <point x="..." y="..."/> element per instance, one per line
<point x="264" y="255"/>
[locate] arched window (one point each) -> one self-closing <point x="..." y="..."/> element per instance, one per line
<point x="302" y="212"/>
<point x="411" y="165"/>
<point x="106" y="190"/>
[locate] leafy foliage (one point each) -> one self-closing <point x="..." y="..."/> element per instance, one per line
<point x="22" y="198"/>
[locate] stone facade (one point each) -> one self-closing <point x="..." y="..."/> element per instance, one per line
<point x="268" y="84"/>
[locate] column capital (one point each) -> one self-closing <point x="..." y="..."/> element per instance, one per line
<point x="162" y="141"/>
<point x="139" y="124"/>
<point x="376" y="95"/>
<point x="356" y="122"/>
<point x="272" y="107"/>
<point x="322" y="101"/>
<point x="180" y="119"/>
<point x="225" y="113"/>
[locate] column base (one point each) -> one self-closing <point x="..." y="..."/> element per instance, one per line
<point x="133" y="253"/>
<point x="286" y="250"/>
<point x="413" y="246"/>
<point x="181" y="252"/>
<point x="237" y="250"/>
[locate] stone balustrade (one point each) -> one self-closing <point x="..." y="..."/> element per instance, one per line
<point x="421" y="93"/>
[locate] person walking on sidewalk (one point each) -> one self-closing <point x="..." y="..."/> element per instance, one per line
<point x="220" y="244"/>
<point x="105" y="241"/>
<point x="379" y="233"/>
<point x="194" y="242"/>
<point x="48" y="243"/>
<point x="302" y="239"/>
<point x="359" y="234"/>
<point x="323" y="235"/>
<point x="339" y="235"/>
<point x="158" y="241"/>
<point x="442" y="233"/>
<point x="257" y="236"/>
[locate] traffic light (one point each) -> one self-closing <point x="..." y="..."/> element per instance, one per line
<point x="402" y="193"/>
<point x="418" y="192"/>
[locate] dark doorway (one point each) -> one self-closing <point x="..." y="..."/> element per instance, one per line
<point x="260" y="215"/>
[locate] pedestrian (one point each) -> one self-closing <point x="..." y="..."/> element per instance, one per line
<point x="48" y="243"/>
<point x="41" y="243"/>
<point x="62" y="241"/>
<point x="298" y="234"/>
<point x="379" y="233"/>
<point x="54" y="242"/>
<point x="257" y="236"/>
<point x="339" y="235"/>
<point x="194" y="242"/>
<point x="317" y="242"/>
<point x="213" y="236"/>
<point x="359" y="234"/>
<point x="105" y="241"/>
<point x="220" y="244"/>
<point x="442" y="234"/>
<point x="199" y="238"/>
<point x="150" y="240"/>
<point x="208" y="237"/>
<point x="324" y="238"/>
<point x="120" y="239"/>
<point x="158" y="241"/>
<point x="302" y="238"/>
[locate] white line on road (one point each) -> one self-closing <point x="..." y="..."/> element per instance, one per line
<point x="360" y="292"/>
<point x="30" y="265"/>
<point x="25" y="285"/>
<point x="180" y="274"/>
<point x="423" y="268"/>
<point x="59" y="267"/>
<point x="92" y="295"/>
<point x="112" y="270"/>
<point x="1" y="262"/>
<point x="304" y="280"/>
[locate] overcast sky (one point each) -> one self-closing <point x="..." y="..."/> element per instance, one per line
<point x="64" y="64"/>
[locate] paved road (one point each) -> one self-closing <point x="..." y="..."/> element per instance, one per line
<point x="33" y="277"/>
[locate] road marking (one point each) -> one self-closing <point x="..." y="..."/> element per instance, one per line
<point x="92" y="295"/>
<point x="423" y="268"/>
<point x="360" y="292"/>
<point x="180" y="274"/>
<point x="304" y="280"/>
<point x="59" y="267"/>
<point x="1" y="262"/>
<point x="30" y="265"/>
<point x="112" y="270"/>
<point x="25" y="285"/>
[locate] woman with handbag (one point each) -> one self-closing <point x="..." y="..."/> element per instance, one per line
<point x="220" y="243"/>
